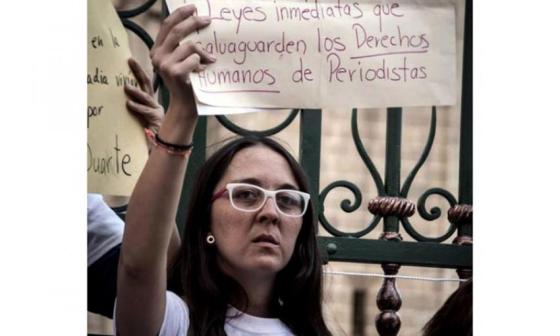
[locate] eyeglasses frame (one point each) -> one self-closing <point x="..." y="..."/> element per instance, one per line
<point x="267" y="193"/>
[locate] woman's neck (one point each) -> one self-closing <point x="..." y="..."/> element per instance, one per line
<point x="259" y="295"/>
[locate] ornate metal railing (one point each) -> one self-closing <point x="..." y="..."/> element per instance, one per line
<point x="390" y="205"/>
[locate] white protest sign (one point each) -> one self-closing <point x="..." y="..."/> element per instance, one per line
<point x="116" y="148"/>
<point x="326" y="53"/>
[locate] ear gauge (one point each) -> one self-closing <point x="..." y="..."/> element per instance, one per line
<point x="210" y="239"/>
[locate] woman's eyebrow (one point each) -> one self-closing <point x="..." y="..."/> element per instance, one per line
<point x="288" y="186"/>
<point x="257" y="182"/>
<point x="250" y="180"/>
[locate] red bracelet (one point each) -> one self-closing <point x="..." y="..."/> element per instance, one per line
<point x="169" y="148"/>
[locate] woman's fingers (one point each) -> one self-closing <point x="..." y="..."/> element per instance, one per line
<point x="170" y="52"/>
<point x="177" y="16"/>
<point x="190" y="64"/>
<point x="175" y="28"/>
<point x="185" y="58"/>
<point x="174" y="59"/>
<point x="183" y="29"/>
<point x="188" y="48"/>
<point x="143" y="79"/>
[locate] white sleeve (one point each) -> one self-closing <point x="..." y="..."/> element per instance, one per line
<point x="104" y="228"/>
<point x="176" y="317"/>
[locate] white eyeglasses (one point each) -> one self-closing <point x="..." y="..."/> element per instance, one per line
<point x="251" y="198"/>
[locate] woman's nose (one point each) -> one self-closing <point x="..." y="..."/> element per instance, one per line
<point x="268" y="211"/>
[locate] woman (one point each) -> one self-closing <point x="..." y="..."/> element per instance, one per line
<point x="250" y="263"/>
<point x="454" y="317"/>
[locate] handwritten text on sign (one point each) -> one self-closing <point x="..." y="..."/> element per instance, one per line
<point x="326" y="53"/>
<point x="116" y="148"/>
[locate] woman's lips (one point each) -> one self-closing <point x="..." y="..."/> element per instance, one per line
<point x="266" y="240"/>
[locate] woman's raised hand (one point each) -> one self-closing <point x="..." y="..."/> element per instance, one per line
<point x="174" y="60"/>
<point x="152" y="209"/>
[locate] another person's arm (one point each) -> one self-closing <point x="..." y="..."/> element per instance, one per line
<point x="153" y="204"/>
<point x="141" y="103"/>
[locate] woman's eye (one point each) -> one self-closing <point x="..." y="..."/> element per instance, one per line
<point x="287" y="201"/>
<point x="246" y="194"/>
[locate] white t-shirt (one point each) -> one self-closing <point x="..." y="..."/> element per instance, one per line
<point x="104" y="227"/>
<point x="176" y="321"/>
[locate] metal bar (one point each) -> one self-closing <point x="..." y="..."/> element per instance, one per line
<point x="136" y="11"/>
<point x="393" y="163"/>
<point x="465" y="149"/>
<point x="404" y="253"/>
<point x="196" y="160"/>
<point x="310" y="151"/>
<point x="387" y="322"/>
<point x="224" y="121"/>
<point x="139" y="31"/>
<point x="364" y="155"/>
<point x="163" y="92"/>
<point x="389" y="301"/>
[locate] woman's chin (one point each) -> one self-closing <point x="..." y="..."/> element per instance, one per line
<point x="267" y="264"/>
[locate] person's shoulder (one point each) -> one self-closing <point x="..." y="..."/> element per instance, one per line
<point x="93" y="199"/>
<point x="242" y="324"/>
<point x="176" y="316"/>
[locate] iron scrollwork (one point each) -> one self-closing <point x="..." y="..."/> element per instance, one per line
<point x="365" y="157"/>
<point x="435" y="212"/>
<point x="125" y="16"/>
<point x="268" y="132"/>
<point x="347" y="206"/>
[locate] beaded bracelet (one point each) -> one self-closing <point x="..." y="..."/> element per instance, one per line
<point x="173" y="149"/>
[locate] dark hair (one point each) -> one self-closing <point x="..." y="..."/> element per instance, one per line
<point x="297" y="292"/>
<point x="455" y="315"/>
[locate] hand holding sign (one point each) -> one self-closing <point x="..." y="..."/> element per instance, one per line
<point x="174" y="62"/>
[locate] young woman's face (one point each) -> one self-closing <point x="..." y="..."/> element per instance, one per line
<point x="242" y="250"/>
